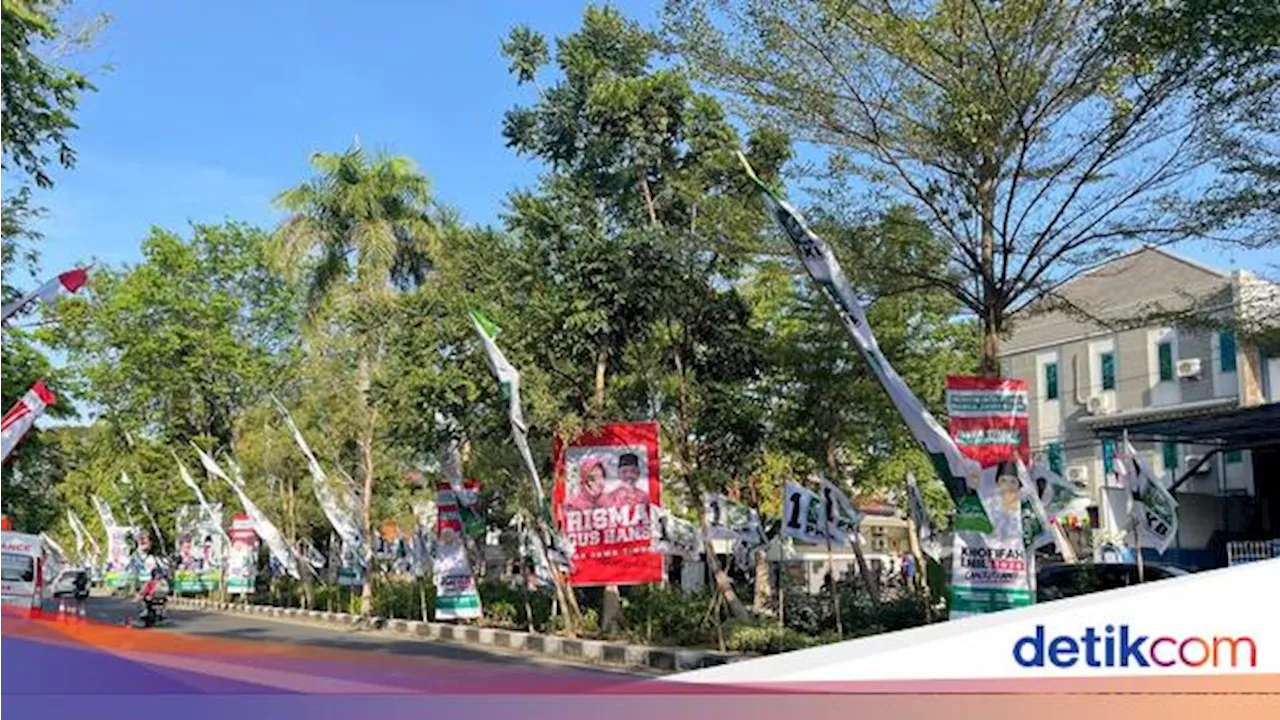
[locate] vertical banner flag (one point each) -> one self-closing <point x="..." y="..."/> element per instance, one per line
<point x="262" y="525"/>
<point x="105" y="515"/>
<point x="673" y="535"/>
<point x="957" y="471"/>
<point x="988" y="418"/>
<point x="121" y="570"/>
<point x="930" y="538"/>
<point x="991" y="571"/>
<point x="242" y="559"/>
<point x="1153" y="510"/>
<point x="77" y="529"/>
<point x="841" y="517"/>
<point x="19" y="419"/>
<point x="338" y="508"/>
<point x="48" y="293"/>
<point x="802" y="514"/>
<point x="605" y="483"/>
<point x="457" y="597"/>
<point x="509" y="378"/>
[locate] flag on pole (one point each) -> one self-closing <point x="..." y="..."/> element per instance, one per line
<point x="960" y="473"/>
<point x="265" y="529"/>
<point x="48" y="293"/>
<point x="802" y="514"/>
<point x="105" y="514"/>
<point x="1153" y="511"/>
<point x="146" y="510"/>
<point x="561" y="549"/>
<point x="342" y="519"/>
<point x="842" y="518"/>
<point x="214" y="519"/>
<point x="76" y="531"/>
<point x="22" y="416"/>
<point x="930" y="538"/>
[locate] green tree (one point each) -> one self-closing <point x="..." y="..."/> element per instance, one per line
<point x="630" y="247"/>
<point x="178" y="346"/>
<point x="357" y="231"/>
<point x="1015" y="129"/>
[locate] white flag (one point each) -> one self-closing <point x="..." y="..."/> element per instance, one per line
<point x="214" y="519"/>
<point x="22" y="416"/>
<point x="509" y="378"/>
<point x="74" y="523"/>
<point x="802" y="514"/>
<point x="1152" y="510"/>
<point x="105" y="514"/>
<point x="957" y="471"/>
<point x="842" y="518"/>
<point x="673" y="535"/>
<point x="341" y="518"/>
<point x="48" y="293"/>
<point x="265" y="529"/>
<point x="930" y="538"/>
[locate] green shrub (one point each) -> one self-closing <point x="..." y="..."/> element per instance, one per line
<point x="766" y="639"/>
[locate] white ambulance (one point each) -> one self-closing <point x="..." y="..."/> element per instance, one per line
<point x="24" y="570"/>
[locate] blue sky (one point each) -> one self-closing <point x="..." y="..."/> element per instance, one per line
<point x="211" y="108"/>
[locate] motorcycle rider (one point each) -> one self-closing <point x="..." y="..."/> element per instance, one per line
<point x="154" y="594"/>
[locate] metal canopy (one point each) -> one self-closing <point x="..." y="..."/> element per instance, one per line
<point x="1234" y="428"/>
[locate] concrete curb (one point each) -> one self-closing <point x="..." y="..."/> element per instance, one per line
<point x="591" y="651"/>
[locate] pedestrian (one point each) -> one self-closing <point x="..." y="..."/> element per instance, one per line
<point x="81" y="593"/>
<point x="908" y="568"/>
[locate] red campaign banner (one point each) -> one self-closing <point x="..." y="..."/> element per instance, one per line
<point x="987" y="418"/>
<point x="605" y="482"/>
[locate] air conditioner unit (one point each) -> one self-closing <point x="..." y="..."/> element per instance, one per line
<point x="1204" y="469"/>
<point x="1099" y="405"/>
<point x="1189" y="369"/>
<point x="1078" y="473"/>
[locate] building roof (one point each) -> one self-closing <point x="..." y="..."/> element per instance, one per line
<point x="1121" y="290"/>
<point x="1247" y="427"/>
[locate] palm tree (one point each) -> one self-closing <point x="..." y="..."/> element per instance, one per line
<point x="357" y="231"/>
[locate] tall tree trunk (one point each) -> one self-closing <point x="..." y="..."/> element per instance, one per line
<point x="992" y="294"/>
<point x="763" y="590"/>
<point x="364" y="380"/>
<point x="602" y="366"/>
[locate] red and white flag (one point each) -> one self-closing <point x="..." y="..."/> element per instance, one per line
<point x="48" y="293"/>
<point x="21" y="416"/>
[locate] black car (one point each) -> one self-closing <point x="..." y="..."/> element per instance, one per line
<point x="1054" y="582"/>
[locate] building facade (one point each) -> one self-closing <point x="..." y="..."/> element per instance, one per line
<point x="1092" y="364"/>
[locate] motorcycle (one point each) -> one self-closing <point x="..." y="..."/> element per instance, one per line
<point x="153" y="612"/>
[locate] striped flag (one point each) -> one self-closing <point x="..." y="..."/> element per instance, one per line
<point x="261" y="524"/>
<point x="959" y="473"/>
<point x="22" y="416"/>
<point x="509" y="379"/>
<point x="48" y="293"/>
<point x="341" y="518"/>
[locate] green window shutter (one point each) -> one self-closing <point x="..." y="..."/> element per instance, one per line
<point x="1108" y="456"/>
<point x="1051" y="381"/>
<point x="1056" y="460"/>
<point x="1108" y="371"/>
<point x="1235" y="456"/>
<point x="1170" y="451"/>
<point x="1227" y="351"/>
<point x="1166" y="361"/>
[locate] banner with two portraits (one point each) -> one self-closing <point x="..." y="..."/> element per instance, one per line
<point x="606" y="481"/>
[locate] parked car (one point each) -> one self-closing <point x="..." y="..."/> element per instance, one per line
<point x="1054" y="582"/>
<point x="70" y="582"/>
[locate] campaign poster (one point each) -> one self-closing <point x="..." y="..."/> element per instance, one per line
<point x="457" y="597"/>
<point x="122" y="563"/>
<point x="993" y="571"/>
<point x="605" y="483"/>
<point x="987" y="418"/>
<point x="242" y="559"/>
<point x="201" y="550"/>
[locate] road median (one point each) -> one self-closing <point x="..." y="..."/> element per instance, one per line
<point x="597" y="652"/>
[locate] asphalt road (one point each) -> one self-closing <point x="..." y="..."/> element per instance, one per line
<point x="375" y="656"/>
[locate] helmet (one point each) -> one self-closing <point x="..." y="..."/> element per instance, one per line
<point x="157" y="573"/>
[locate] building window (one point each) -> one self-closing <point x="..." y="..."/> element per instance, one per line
<point x="1108" y="457"/>
<point x="1108" y="371"/>
<point x="1170" y="451"/>
<point x="1235" y="457"/>
<point x="1056" y="460"/>
<point x="1227" y="351"/>
<point x="1165" y="351"/>
<point x="1051" y="381"/>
